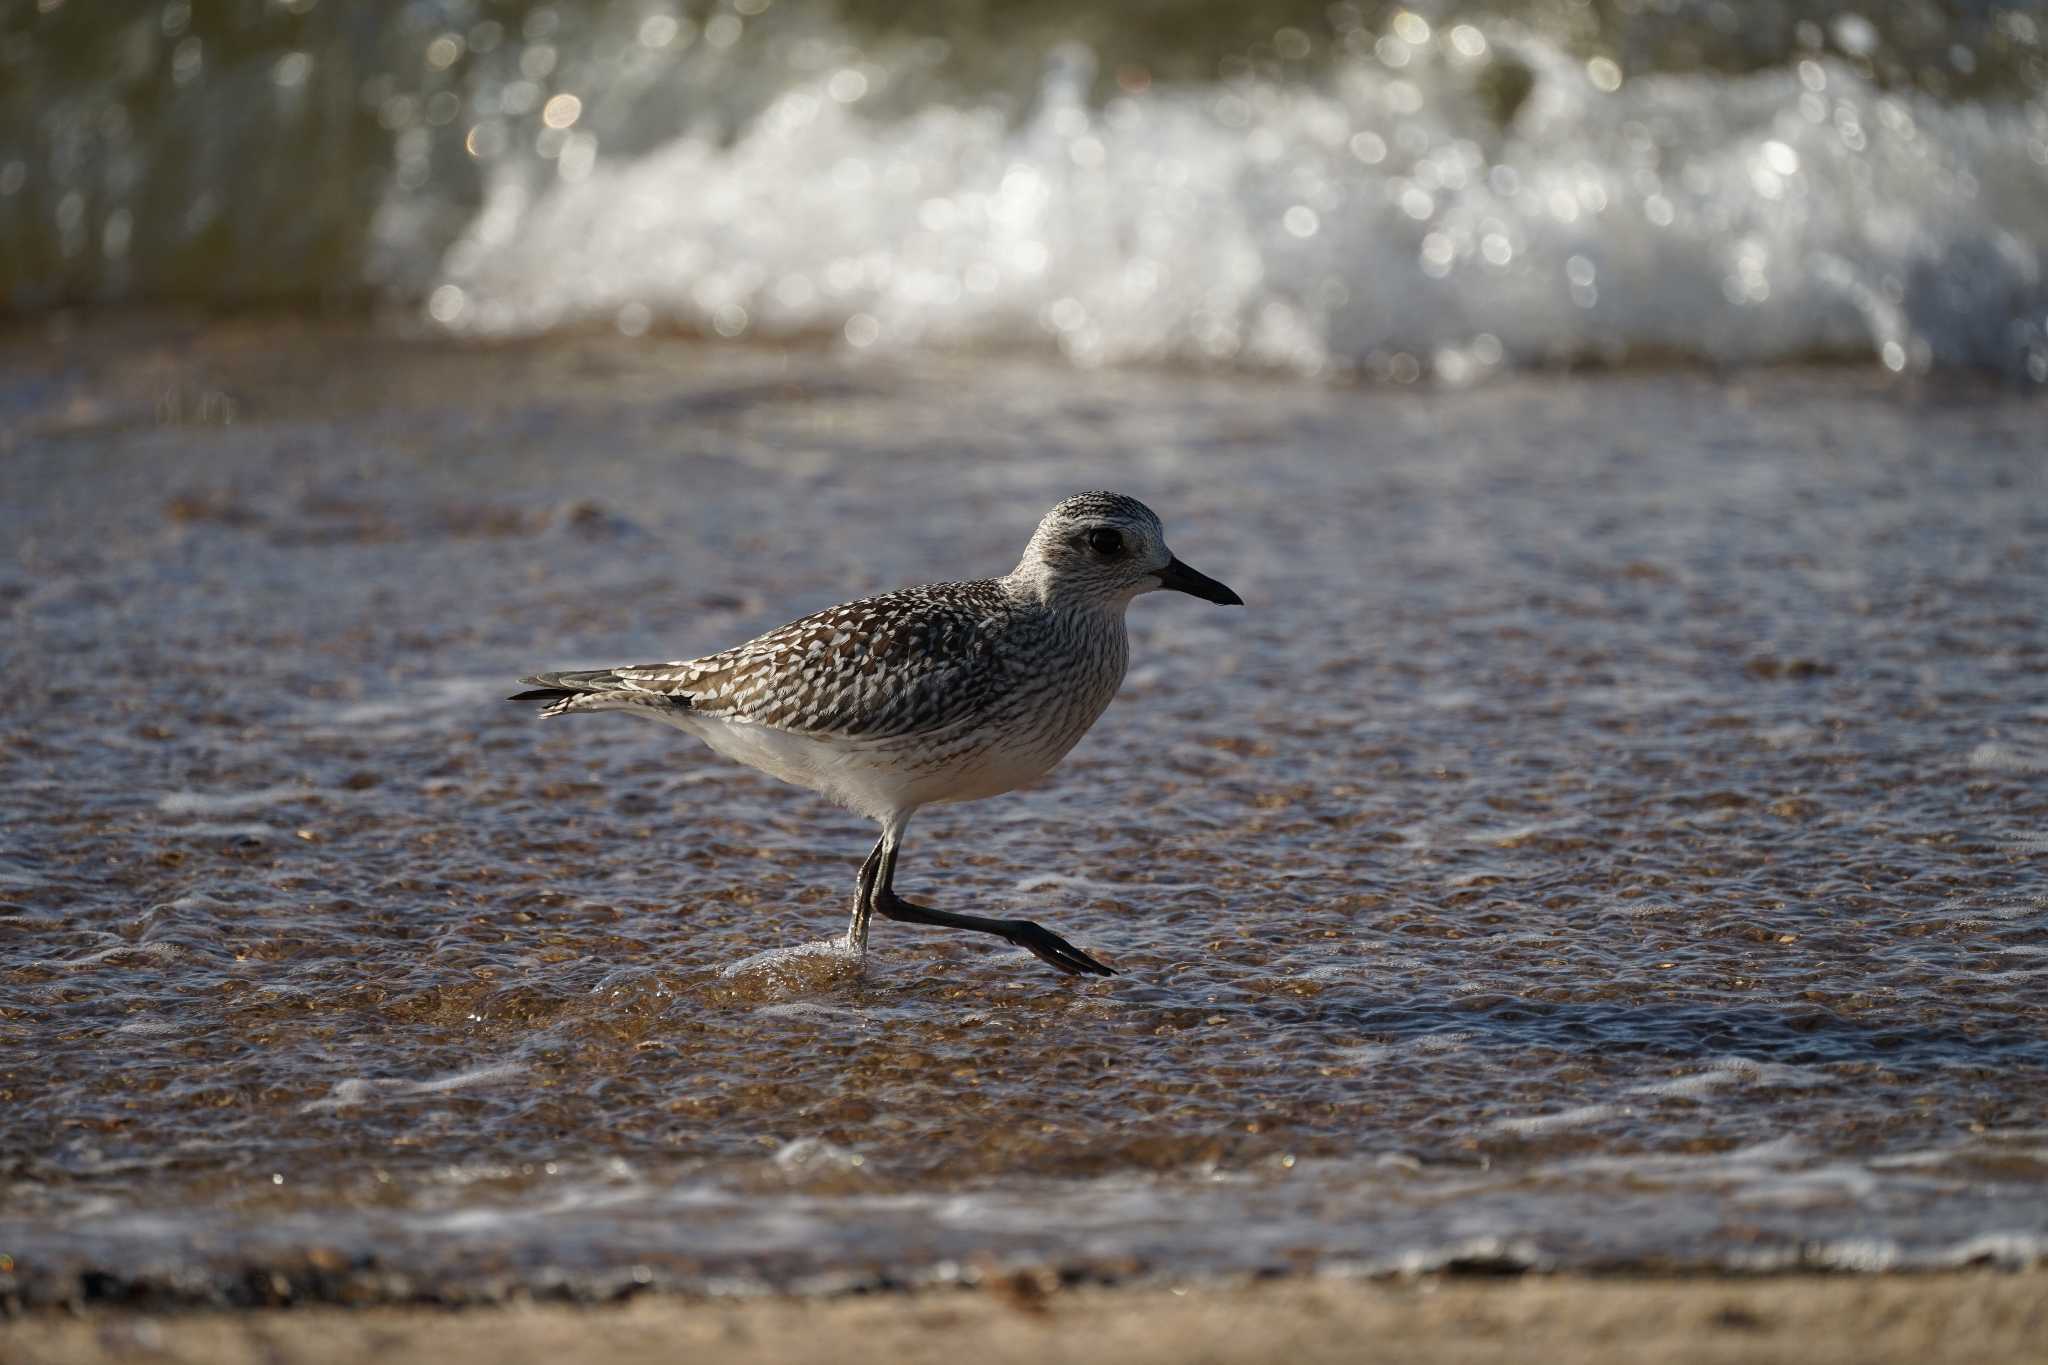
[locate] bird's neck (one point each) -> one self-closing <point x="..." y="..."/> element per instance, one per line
<point x="1039" y="591"/>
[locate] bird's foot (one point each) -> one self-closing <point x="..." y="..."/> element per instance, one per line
<point x="1035" y="939"/>
<point x="1047" y="946"/>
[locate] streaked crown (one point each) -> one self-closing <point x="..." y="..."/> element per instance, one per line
<point x="1095" y="548"/>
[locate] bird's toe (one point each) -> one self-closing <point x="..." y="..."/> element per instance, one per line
<point x="1049" y="947"/>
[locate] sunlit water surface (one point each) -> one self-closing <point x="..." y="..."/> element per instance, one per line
<point x="1612" y="834"/>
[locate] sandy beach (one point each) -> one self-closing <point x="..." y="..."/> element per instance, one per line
<point x="1817" y="1321"/>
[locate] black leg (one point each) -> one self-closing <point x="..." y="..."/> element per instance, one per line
<point x="1038" y="940"/>
<point x="863" y="901"/>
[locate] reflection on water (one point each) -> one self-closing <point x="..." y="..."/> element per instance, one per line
<point x="1611" y="835"/>
<point x="1360" y="189"/>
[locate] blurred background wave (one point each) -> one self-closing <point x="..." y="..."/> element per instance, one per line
<point x="1430" y="191"/>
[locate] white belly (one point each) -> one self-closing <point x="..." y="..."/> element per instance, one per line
<point x="879" y="778"/>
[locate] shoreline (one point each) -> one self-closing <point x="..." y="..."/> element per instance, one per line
<point x="1974" y="1315"/>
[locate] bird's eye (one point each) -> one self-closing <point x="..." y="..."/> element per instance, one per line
<point x="1108" y="544"/>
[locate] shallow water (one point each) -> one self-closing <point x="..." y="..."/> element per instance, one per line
<point x="1611" y="836"/>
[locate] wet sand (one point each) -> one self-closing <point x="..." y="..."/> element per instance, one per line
<point x="1864" y="1321"/>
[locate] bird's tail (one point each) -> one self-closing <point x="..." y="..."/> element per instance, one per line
<point x="600" y="690"/>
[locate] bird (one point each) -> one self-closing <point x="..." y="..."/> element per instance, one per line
<point x="945" y="692"/>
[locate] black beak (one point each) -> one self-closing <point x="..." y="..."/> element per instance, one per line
<point x="1180" y="578"/>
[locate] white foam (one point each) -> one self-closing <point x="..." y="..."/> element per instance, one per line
<point x="1865" y="1254"/>
<point x="2006" y="1250"/>
<point x="1791" y="735"/>
<point x="1537" y="1124"/>
<point x="1485" y="1249"/>
<point x="231" y="802"/>
<point x="813" y="1154"/>
<point x="363" y="1090"/>
<point x="149" y="1028"/>
<point x="807" y="1009"/>
<point x="1734" y="1072"/>
<point x="774" y="959"/>
<point x="2008" y="758"/>
<point x="1836" y="1183"/>
<point x="161" y="952"/>
<point x="1737" y="1168"/>
<point x="1377" y="220"/>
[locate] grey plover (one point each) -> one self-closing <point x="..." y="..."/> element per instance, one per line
<point x="948" y="692"/>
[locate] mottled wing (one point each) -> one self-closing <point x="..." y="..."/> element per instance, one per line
<point x="904" y="663"/>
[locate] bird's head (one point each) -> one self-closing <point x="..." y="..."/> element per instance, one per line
<point x="1104" y="549"/>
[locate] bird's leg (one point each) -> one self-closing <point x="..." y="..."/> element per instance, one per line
<point x="863" y="903"/>
<point x="1040" y="941"/>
